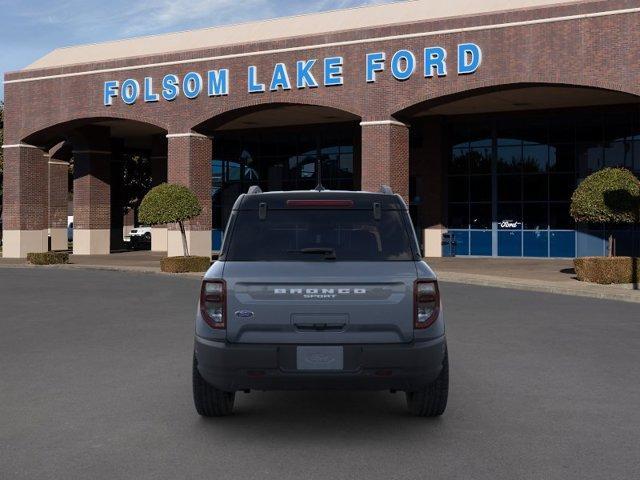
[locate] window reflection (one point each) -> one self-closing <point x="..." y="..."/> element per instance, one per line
<point x="280" y="159"/>
<point x="530" y="164"/>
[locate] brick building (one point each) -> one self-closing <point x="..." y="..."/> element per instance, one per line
<point x="483" y="115"/>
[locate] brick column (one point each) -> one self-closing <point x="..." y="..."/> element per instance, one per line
<point x="158" y="176"/>
<point x="427" y="164"/>
<point x="92" y="192"/>
<point x="385" y="156"/>
<point x="25" y="201"/>
<point x="58" y="197"/>
<point x="189" y="164"/>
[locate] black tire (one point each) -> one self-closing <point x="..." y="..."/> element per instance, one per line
<point x="432" y="401"/>
<point x="209" y="401"/>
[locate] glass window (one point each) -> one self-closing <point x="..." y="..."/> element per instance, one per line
<point x="535" y="216"/>
<point x="480" y="160"/>
<point x="480" y="216"/>
<point x="459" y="161"/>
<point x="510" y="159"/>
<point x="561" y="186"/>
<point x="559" y="217"/>
<point x="458" y="215"/>
<point x="352" y="235"/>
<point x="618" y="154"/>
<point x="562" y="158"/>
<point x="535" y="158"/>
<point x="509" y="216"/>
<point x="509" y="188"/>
<point x="535" y="187"/>
<point x="459" y="189"/>
<point x="480" y="188"/>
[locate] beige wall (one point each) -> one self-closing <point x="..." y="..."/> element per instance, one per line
<point x="301" y="25"/>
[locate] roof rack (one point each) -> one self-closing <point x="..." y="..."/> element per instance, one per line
<point x="386" y="190"/>
<point x="254" y="189"/>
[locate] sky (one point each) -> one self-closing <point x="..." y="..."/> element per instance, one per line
<point x="31" y="28"/>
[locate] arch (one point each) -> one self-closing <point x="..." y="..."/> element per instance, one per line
<point x="49" y="136"/>
<point x="209" y="123"/>
<point x="453" y="93"/>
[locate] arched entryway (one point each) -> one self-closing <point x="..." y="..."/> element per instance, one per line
<point x="280" y="147"/>
<point x="112" y="162"/>
<point x="496" y="167"/>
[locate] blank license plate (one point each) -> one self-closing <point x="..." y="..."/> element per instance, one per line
<point x="320" y="358"/>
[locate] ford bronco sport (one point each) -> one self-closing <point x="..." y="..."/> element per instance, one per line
<point x="320" y="290"/>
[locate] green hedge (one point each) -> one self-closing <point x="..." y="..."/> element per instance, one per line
<point x="185" y="264"/>
<point x="610" y="195"/>
<point x="48" y="258"/>
<point x="607" y="270"/>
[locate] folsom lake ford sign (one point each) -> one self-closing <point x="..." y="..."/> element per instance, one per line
<point x="310" y="73"/>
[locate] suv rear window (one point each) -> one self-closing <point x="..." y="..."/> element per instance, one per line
<point x="341" y="235"/>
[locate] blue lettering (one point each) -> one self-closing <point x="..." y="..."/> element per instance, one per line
<point x="435" y="58"/>
<point x="304" y="76"/>
<point x="333" y="71"/>
<point x="110" y="92"/>
<point x="170" y="89"/>
<point x="218" y="82"/>
<point x="469" y="58"/>
<point x="403" y="64"/>
<point x="192" y="85"/>
<point x="254" y="86"/>
<point x="149" y="96"/>
<point x="130" y="91"/>
<point x="375" y="63"/>
<point x="280" y="78"/>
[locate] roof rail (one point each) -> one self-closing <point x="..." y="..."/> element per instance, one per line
<point x="386" y="190"/>
<point x="254" y="189"/>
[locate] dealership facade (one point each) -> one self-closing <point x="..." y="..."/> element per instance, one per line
<point x="484" y="116"/>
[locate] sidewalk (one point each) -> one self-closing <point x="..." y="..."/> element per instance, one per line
<point x="551" y="276"/>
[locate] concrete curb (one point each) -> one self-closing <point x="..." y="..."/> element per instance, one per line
<point x="579" y="289"/>
<point x="112" y="268"/>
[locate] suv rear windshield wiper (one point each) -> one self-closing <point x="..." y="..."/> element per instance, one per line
<point x="329" y="253"/>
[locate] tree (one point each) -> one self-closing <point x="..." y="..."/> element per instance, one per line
<point x="611" y="195"/>
<point x="169" y="203"/>
<point x="136" y="182"/>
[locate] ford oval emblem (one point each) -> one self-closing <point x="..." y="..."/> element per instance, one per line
<point x="244" y="314"/>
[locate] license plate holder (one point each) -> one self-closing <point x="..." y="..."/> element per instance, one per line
<point x="320" y="359"/>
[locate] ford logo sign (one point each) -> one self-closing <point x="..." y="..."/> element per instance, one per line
<point x="244" y="314"/>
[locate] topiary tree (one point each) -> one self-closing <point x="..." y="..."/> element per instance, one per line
<point x="168" y="203"/>
<point x="611" y="195"/>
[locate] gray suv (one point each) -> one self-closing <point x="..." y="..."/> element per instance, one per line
<point x="320" y="290"/>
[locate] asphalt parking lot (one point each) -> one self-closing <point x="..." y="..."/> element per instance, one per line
<point x="95" y="384"/>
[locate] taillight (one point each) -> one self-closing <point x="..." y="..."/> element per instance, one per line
<point x="426" y="303"/>
<point x="213" y="303"/>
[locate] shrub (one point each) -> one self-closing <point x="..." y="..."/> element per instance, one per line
<point x="168" y="203"/>
<point x="48" y="258"/>
<point x="185" y="264"/>
<point x="608" y="270"/>
<point x="611" y="195"/>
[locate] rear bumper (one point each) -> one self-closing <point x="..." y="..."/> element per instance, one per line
<point x="232" y="367"/>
